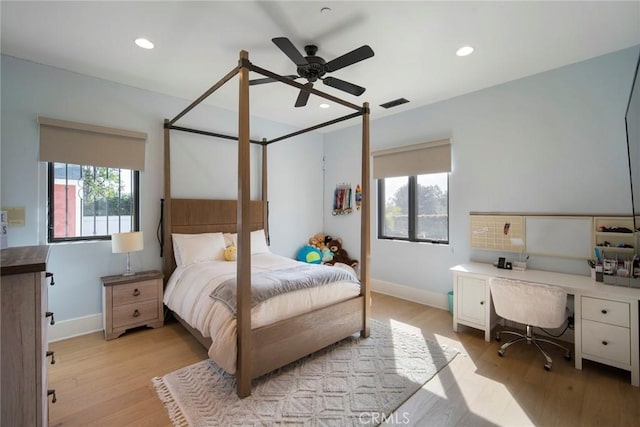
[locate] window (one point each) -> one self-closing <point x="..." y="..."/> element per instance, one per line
<point x="413" y="191"/>
<point x="91" y="202"/>
<point x="414" y="208"/>
<point x="93" y="179"/>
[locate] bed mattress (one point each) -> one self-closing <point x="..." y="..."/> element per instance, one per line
<point x="188" y="289"/>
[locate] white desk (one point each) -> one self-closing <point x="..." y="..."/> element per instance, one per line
<point x="606" y="317"/>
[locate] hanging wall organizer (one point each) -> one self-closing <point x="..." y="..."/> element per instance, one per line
<point x="342" y="199"/>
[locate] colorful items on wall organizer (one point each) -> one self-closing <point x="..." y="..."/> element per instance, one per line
<point x="342" y="199"/>
<point x="358" y="197"/>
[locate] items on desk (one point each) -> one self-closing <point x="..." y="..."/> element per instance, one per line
<point x="504" y="264"/>
<point x="508" y="265"/>
<point x="599" y="273"/>
<point x="619" y="272"/>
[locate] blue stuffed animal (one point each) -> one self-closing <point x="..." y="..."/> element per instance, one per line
<point x="327" y="255"/>
<point x="310" y="255"/>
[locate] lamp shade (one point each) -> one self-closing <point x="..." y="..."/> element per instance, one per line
<point x="126" y="242"/>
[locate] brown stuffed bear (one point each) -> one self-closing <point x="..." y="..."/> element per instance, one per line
<point x="339" y="254"/>
<point x="317" y="241"/>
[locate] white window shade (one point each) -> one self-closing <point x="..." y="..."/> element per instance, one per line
<point x="419" y="159"/>
<point x="82" y="144"/>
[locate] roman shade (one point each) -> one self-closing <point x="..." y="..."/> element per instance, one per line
<point x="418" y="159"/>
<point x="83" y="144"/>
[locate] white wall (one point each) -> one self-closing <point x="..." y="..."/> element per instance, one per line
<point x="201" y="167"/>
<point x="553" y="142"/>
<point x="550" y="143"/>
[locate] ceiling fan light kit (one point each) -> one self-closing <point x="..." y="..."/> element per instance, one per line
<point x="313" y="68"/>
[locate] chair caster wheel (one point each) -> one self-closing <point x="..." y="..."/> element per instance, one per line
<point x="498" y="339"/>
<point x="547" y="367"/>
<point x="501" y="353"/>
<point x="567" y="357"/>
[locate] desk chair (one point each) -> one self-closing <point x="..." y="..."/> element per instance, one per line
<point x="533" y="304"/>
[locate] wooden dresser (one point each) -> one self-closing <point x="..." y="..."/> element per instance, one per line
<point x="24" y="317"/>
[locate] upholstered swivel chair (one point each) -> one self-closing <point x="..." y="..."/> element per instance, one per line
<point x="532" y="304"/>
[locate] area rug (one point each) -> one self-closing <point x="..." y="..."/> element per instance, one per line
<point x="358" y="381"/>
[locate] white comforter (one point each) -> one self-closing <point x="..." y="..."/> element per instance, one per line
<point x="188" y="289"/>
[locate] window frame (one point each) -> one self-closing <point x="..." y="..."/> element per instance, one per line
<point x="135" y="220"/>
<point x="412" y="211"/>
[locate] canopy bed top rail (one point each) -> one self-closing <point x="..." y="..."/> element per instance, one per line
<point x="205" y="95"/>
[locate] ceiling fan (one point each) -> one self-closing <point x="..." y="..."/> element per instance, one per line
<point x="313" y="68"/>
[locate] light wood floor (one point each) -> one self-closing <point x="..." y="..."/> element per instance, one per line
<point x="109" y="383"/>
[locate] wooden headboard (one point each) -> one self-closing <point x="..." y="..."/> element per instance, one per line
<point x="193" y="216"/>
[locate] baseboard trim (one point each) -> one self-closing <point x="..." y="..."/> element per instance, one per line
<point x="408" y="293"/>
<point x="70" y="328"/>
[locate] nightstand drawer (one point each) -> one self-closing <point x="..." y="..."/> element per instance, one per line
<point x="606" y="311"/>
<point x="135" y="292"/>
<point x="137" y="313"/>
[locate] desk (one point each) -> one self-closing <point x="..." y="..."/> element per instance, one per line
<point x="606" y="317"/>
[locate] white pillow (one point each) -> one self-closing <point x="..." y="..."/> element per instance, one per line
<point x="191" y="248"/>
<point x="258" y="241"/>
<point x="231" y="239"/>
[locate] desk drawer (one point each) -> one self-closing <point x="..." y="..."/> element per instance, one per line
<point x="135" y="314"/>
<point x="606" y="341"/>
<point x="606" y="311"/>
<point x="135" y="292"/>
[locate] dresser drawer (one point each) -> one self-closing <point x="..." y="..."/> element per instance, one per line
<point x="606" y="341"/>
<point x="605" y="311"/>
<point x="135" y="292"/>
<point x="136" y="313"/>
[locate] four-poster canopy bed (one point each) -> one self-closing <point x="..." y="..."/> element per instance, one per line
<point x="264" y="348"/>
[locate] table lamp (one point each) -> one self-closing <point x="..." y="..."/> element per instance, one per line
<point x="127" y="242"/>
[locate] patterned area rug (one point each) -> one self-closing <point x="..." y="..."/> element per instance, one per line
<point x="352" y="383"/>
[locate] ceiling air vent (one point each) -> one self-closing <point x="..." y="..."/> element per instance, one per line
<point x="394" y="103"/>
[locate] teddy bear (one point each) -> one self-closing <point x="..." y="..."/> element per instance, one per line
<point x="339" y="254"/>
<point x="318" y="241"/>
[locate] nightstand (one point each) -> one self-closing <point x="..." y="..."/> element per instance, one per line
<point x="132" y="301"/>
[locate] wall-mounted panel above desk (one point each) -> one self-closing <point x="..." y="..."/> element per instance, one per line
<point x="497" y="232"/>
<point x="562" y="236"/>
<point x="568" y="236"/>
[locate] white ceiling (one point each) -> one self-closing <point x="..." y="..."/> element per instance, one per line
<point x="414" y="42"/>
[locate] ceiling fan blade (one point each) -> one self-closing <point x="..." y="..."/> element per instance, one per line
<point x="356" y="55"/>
<point x="344" y="86"/>
<point x="303" y="96"/>
<point x="290" y="50"/>
<point x="269" y="80"/>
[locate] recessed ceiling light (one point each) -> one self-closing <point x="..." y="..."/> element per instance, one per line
<point x="325" y="10"/>
<point x="464" y="51"/>
<point x="144" y="43"/>
<point x="323" y="105"/>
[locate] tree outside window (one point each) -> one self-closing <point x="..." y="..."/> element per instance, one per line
<point x="414" y="208"/>
<point x="90" y="202"/>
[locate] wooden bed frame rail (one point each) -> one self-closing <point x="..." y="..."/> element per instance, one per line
<point x="267" y="348"/>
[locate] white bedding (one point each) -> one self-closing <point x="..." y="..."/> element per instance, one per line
<point x="188" y="289"/>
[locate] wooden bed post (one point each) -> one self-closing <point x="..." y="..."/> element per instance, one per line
<point x="365" y="225"/>
<point x="265" y="207"/>
<point x="167" y="250"/>
<point x="243" y="366"/>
